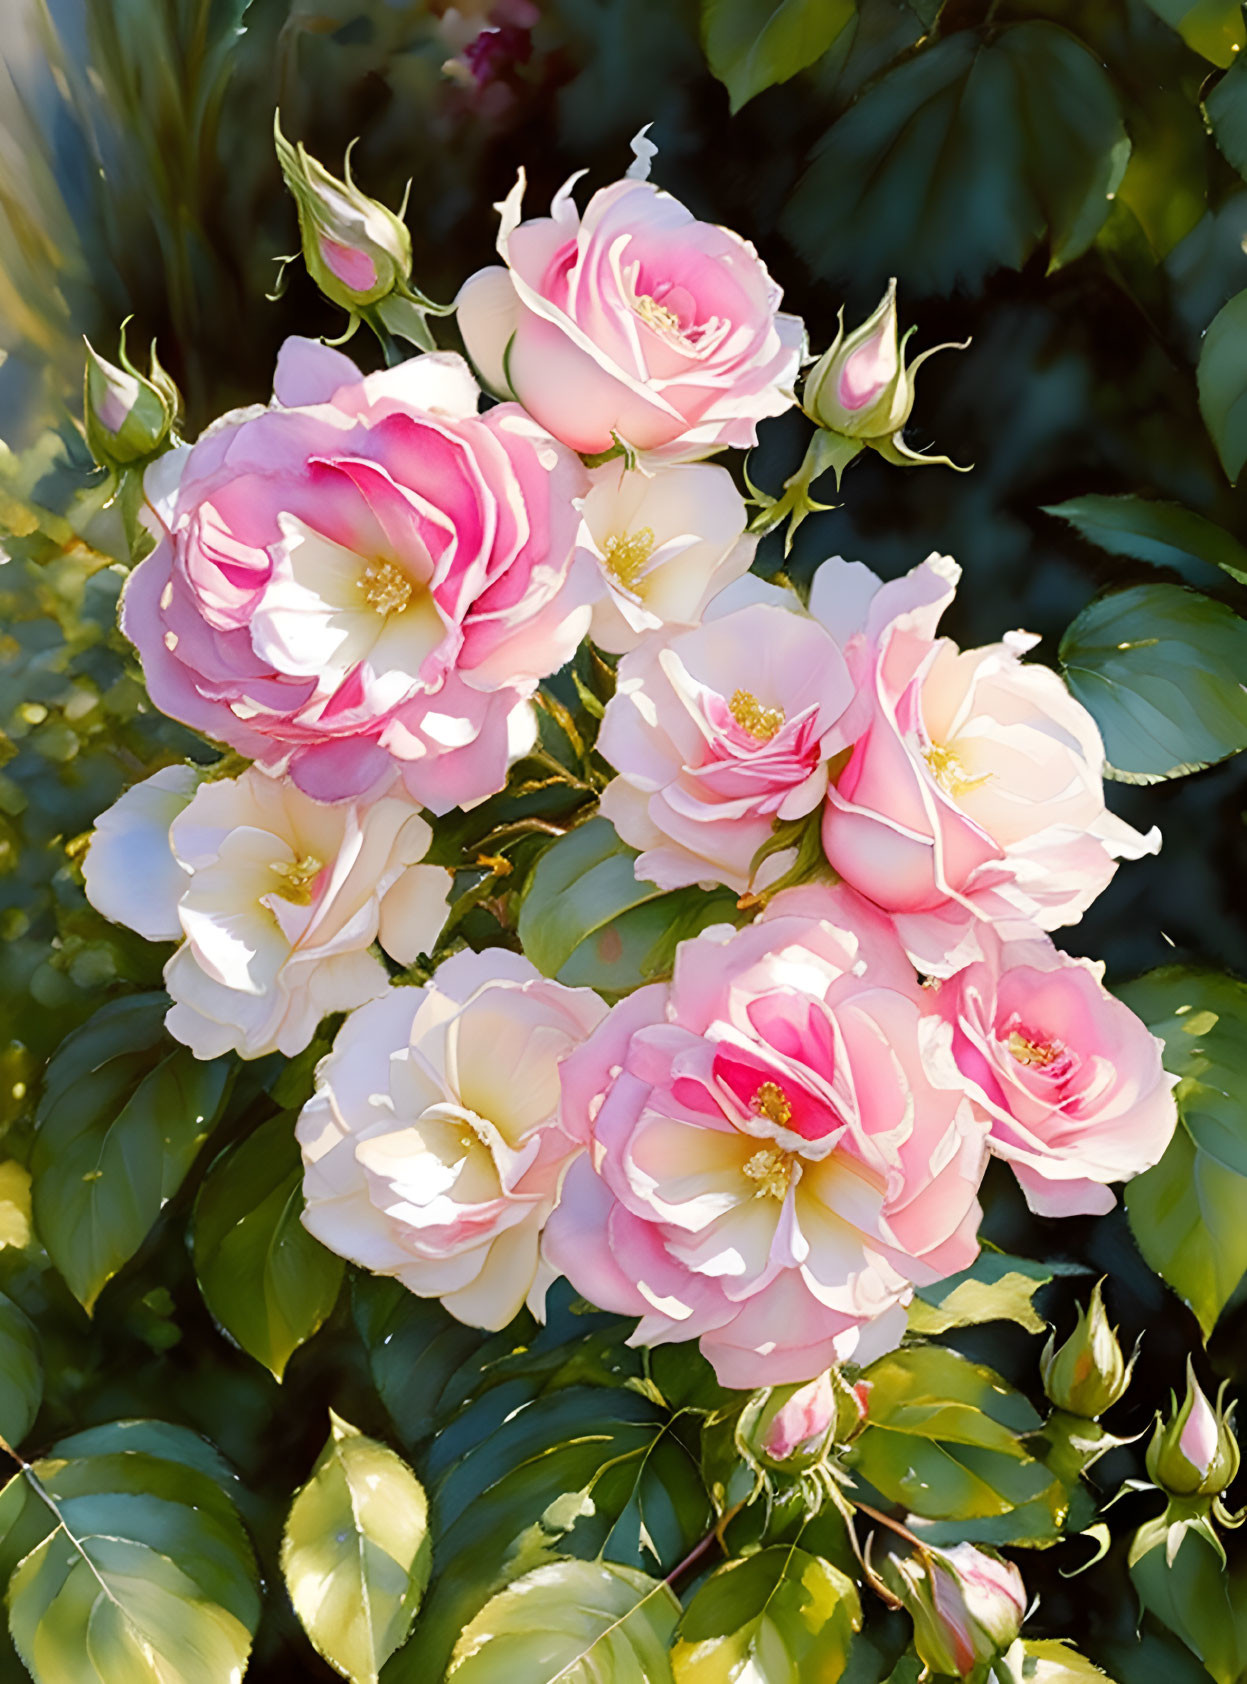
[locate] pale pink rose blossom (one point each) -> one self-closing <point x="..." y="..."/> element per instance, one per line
<point x="1070" y="1080"/>
<point x="975" y="787"/>
<point x="718" y="733"/>
<point x="432" y="1148"/>
<point x="780" y="1146"/>
<point x="366" y="578"/>
<point x="634" y="323"/>
<point x="275" y="901"/>
<point x="664" y="543"/>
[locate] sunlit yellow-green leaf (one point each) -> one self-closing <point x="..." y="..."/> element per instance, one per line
<point x="356" y="1553"/>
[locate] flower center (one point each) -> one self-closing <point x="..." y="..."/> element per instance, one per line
<point x="772" y="1170"/>
<point x="948" y="771"/>
<point x="760" y="722"/>
<point x="656" y="315"/>
<point x="1026" y="1051"/>
<point x="626" y="553"/>
<point x="296" y="879"/>
<point x="385" y="588"/>
<point x="771" y="1102"/>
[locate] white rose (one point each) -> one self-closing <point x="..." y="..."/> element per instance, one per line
<point x="433" y="1149"/>
<point x="275" y="899"/>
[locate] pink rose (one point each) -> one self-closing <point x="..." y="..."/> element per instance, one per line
<point x="635" y="322"/>
<point x="975" y="787"/>
<point x="365" y="577"/>
<point x="432" y="1149"/>
<point x="1069" y="1078"/>
<point x="780" y="1146"/>
<point x="717" y="734"/>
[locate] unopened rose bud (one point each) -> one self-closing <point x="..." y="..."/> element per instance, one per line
<point x="861" y="388"/>
<point x="356" y="250"/>
<point x="129" y="416"/>
<point x="966" y="1605"/>
<point x="1194" y="1454"/>
<point x="794" y="1427"/>
<point x="1088" y="1373"/>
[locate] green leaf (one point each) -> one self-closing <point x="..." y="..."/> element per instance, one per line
<point x="1213" y="28"/>
<point x="21" y="1373"/>
<point x="517" y="1481"/>
<point x="1222" y="377"/>
<point x="995" y="1287"/>
<point x="1165" y="534"/>
<point x="590" y="922"/>
<point x="779" y="1615"/>
<point x="1187" y="1212"/>
<point x="1226" y="110"/>
<point x="414" y="1345"/>
<point x="1045" y="1662"/>
<point x="963" y="158"/>
<point x="356" y="1553"/>
<point x="266" y="1280"/>
<point x="944" y="1437"/>
<point x="123" y="1115"/>
<point x="143" y="1575"/>
<point x="579" y="1622"/>
<point x="753" y="44"/>
<point x="1180" y="1577"/>
<point x="1160" y="668"/>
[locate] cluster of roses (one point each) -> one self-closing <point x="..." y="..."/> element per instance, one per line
<point x="359" y="588"/>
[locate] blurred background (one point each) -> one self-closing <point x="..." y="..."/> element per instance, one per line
<point x="138" y="178"/>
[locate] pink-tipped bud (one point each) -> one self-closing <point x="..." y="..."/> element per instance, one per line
<point x="1195" y="1453"/>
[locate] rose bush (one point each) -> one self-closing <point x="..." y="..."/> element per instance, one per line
<point x="582" y="998"/>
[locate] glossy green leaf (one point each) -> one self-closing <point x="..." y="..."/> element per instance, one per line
<point x="263" y="1276"/>
<point x="1226" y="111"/>
<point x="356" y="1553"/>
<point x="1181" y="1578"/>
<point x="590" y="922"/>
<point x="962" y="159"/>
<point x="753" y="44"/>
<point x="1222" y="377"/>
<point x="580" y="1622"/>
<point x="124" y="1113"/>
<point x="774" y="1617"/>
<point x="995" y="1287"/>
<point x="944" y="1437"/>
<point x="21" y="1373"/>
<point x="1187" y="1212"/>
<point x="1214" y="28"/>
<point x="1161" y="669"/>
<point x="143" y="1575"/>
<point x="516" y="1482"/>
<point x="1165" y="534"/>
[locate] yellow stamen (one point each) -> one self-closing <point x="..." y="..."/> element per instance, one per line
<point x="771" y="1102"/>
<point x="749" y="713"/>
<point x="772" y="1170"/>
<point x="297" y="877"/>
<point x="948" y="771"/>
<point x="656" y="315"/>
<point x="625" y="555"/>
<point x="385" y="588"/>
<point x="1039" y="1053"/>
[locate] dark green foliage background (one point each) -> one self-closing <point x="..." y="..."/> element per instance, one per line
<point x="153" y="189"/>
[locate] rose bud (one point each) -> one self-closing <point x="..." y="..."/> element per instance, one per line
<point x="1196" y="1453"/>
<point x="1088" y="1373"/>
<point x="128" y="416"/>
<point x="861" y="388"/>
<point x="966" y="1605"/>
<point x="356" y="250"/>
<point x="795" y="1426"/>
